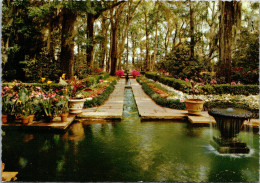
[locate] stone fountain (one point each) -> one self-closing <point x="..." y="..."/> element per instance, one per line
<point x="229" y="122"/>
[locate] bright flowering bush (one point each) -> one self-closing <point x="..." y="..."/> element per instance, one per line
<point x="135" y="73"/>
<point x="244" y="75"/>
<point x="99" y="70"/>
<point x="22" y="100"/>
<point x="119" y="73"/>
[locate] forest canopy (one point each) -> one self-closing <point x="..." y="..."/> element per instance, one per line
<point x="182" y="38"/>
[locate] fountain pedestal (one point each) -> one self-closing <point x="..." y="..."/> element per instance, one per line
<point x="229" y="122"/>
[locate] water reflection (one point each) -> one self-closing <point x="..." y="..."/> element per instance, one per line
<point x="125" y="151"/>
<point x="75" y="133"/>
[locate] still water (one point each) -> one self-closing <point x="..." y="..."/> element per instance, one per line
<point x="129" y="150"/>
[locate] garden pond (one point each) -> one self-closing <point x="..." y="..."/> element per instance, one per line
<point x="129" y="150"/>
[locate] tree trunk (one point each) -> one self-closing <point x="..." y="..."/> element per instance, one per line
<point x="108" y="65"/>
<point x="90" y="36"/>
<point x="155" y="44"/>
<point x="67" y="42"/>
<point x="192" y="40"/>
<point x="147" y="43"/>
<point x="113" y="51"/>
<point x="104" y="42"/>
<point x="115" y="20"/>
<point x="227" y="20"/>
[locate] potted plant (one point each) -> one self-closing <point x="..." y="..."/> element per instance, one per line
<point x="63" y="107"/>
<point x="135" y="73"/>
<point x="25" y="116"/>
<point x="7" y="107"/>
<point x="34" y="107"/>
<point x="76" y="100"/>
<point x="22" y="105"/>
<point x="119" y="73"/>
<point x="48" y="104"/>
<point x="194" y="106"/>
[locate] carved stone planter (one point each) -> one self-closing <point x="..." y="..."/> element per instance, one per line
<point x="194" y="106"/>
<point x="76" y="105"/>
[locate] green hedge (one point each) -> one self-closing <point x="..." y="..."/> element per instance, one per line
<point x="206" y="89"/>
<point x="172" y="82"/>
<point x="230" y="89"/>
<point x="175" y="104"/>
<point x="99" y="100"/>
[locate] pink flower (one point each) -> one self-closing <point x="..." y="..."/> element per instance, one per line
<point x="213" y="81"/>
<point x="186" y="79"/>
<point x="37" y="87"/>
<point x="101" y="81"/>
<point x="135" y="73"/>
<point x="119" y="73"/>
<point x="233" y="83"/>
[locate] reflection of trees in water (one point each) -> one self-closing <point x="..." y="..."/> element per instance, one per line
<point x="34" y="156"/>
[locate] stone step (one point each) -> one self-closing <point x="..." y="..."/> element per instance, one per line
<point x="201" y="119"/>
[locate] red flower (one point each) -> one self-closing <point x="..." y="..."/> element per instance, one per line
<point x="119" y="73"/>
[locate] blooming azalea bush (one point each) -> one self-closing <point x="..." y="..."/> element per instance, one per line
<point x="244" y="75"/>
<point x="135" y="73"/>
<point x="120" y="73"/>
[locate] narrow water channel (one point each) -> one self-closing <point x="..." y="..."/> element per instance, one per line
<point x="129" y="150"/>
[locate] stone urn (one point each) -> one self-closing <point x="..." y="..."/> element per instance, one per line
<point x="194" y="106"/>
<point x="229" y="122"/>
<point x="76" y="105"/>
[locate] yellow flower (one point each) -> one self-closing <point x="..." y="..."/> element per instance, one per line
<point x="23" y="110"/>
<point x="63" y="76"/>
<point x="43" y="79"/>
<point x="49" y="82"/>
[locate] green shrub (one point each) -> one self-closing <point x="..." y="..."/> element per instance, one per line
<point x="99" y="100"/>
<point x="172" y="82"/>
<point x="230" y="89"/>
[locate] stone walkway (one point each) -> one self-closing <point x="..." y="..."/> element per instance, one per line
<point x="113" y="107"/>
<point x="149" y="110"/>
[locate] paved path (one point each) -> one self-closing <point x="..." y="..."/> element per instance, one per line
<point x="148" y="109"/>
<point x="113" y="107"/>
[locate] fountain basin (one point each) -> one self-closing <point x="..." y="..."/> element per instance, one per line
<point x="229" y="122"/>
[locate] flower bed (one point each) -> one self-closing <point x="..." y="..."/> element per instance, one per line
<point x="21" y="100"/>
<point x="208" y="88"/>
<point x="152" y="89"/>
<point x="250" y="102"/>
<point x="100" y="95"/>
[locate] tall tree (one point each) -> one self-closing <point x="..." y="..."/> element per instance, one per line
<point x="230" y="16"/>
<point x="115" y="20"/>
<point x="192" y="37"/>
<point x="67" y="41"/>
<point x="98" y="8"/>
